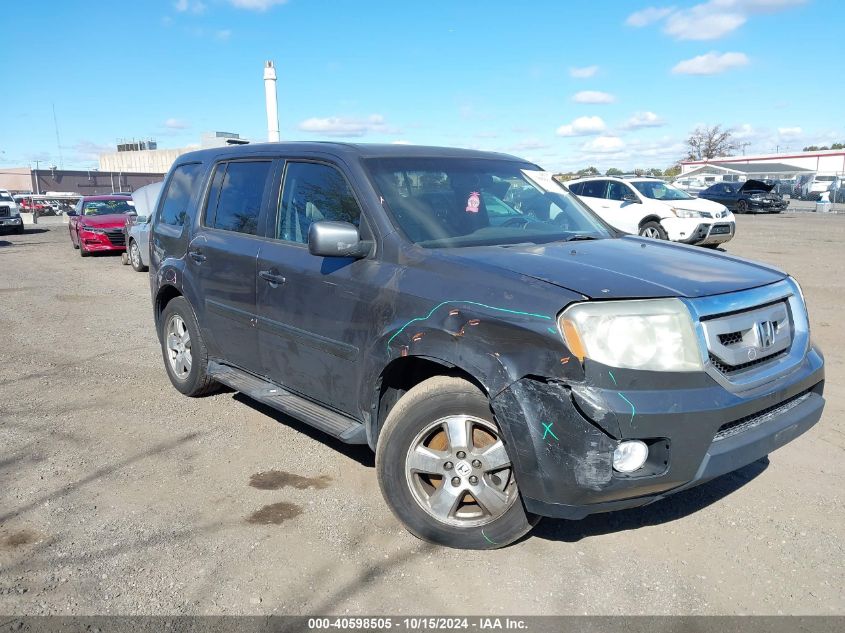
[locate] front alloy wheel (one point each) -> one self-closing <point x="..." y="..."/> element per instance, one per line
<point x="444" y="468"/>
<point x="459" y="472"/>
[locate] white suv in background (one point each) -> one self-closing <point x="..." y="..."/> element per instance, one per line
<point x="653" y="208"/>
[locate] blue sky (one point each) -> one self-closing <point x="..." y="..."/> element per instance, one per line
<point x="566" y="84"/>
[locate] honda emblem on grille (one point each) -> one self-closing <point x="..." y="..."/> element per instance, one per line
<point x="766" y="333"/>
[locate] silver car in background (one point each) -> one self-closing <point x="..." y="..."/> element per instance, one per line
<point x="138" y="232"/>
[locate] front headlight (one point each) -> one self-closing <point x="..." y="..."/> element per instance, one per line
<point x="89" y="229"/>
<point x="651" y="334"/>
<point x="686" y="213"/>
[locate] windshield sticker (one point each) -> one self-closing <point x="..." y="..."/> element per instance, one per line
<point x="473" y="202"/>
<point x="544" y="180"/>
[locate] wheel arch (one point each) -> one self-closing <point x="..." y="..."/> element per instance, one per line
<point x="165" y="295"/>
<point x="649" y="218"/>
<point x="402" y="374"/>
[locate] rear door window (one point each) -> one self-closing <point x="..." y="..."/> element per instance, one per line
<point x="235" y="196"/>
<point x="174" y="204"/>
<point x="594" y="188"/>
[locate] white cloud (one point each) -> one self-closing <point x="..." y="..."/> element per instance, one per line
<point x="593" y="96"/>
<point x="189" y="6"/>
<point x="584" y="72"/>
<point x="648" y="16"/>
<point x="223" y="34"/>
<point x="176" y="124"/>
<point x="582" y="126"/>
<point x="644" y="119"/>
<point x="344" y="126"/>
<point x="604" y="145"/>
<point x="711" y="63"/>
<point x="703" y="22"/>
<point x="401" y="142"/>
<point x="255" y="5"/>
<point x="790" y="131"/>
<point x="708" y="20"/>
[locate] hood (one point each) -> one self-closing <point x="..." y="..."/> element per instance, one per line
<point x="756" y="185"/>
<point x="110" y="221"/>
<point x="627" y="267"/>
<point x="146" y="198"/>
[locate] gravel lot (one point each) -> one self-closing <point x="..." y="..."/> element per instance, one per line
<point x="120" y="496"/>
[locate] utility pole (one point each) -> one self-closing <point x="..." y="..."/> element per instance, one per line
<point x="271" y="102"/>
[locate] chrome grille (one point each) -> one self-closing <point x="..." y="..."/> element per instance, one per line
<point x="4" y="212"/>
<point x="744" y="339"/>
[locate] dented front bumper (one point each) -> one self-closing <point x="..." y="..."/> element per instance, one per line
<point x="561" y="437"/>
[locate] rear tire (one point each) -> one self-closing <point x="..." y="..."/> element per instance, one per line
<point x="183" y="349"/>
<point x="433" y="421"/>
<point x="653" y="230"/>
<point x="742" y="206"/>
<point x="135" y="257"/>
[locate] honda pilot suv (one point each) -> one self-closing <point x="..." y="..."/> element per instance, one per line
<point x="506" y="353"/>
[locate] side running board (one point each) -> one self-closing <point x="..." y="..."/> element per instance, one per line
<point x="335" y="424"/>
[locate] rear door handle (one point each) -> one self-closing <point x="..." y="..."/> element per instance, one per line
<point x="197" y="256"/>
<point x="272" y="277"/>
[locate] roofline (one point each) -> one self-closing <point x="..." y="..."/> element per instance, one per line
<point x="773" y="157"/>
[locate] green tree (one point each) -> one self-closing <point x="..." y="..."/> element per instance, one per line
<point x="654" y="171"/>
<point x="613" y="171"/>
<point x="672" y="171"/>
<point x="588" y="171"/>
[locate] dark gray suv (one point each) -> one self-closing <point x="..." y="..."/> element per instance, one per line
<point x="505" y="353"/>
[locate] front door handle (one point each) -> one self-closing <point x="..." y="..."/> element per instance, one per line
<point x="272" y="277"/>
<point x="197" y="256"/>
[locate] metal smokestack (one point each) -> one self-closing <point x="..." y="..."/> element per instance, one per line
<point x="272" y="104"/>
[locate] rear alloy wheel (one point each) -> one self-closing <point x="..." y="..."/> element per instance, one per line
<point x="742" y="206"/>
<point x="184" y="352"/>
<point x="444" y="469"/>
<point x="653" y="230"/>
<point x="135" y="257"/>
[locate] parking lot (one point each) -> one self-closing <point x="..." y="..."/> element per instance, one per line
<point x="120" y="496"/>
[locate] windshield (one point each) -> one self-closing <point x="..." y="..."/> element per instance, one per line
<point x="658" y="190"/>
<point x="5" y="197"/>
<point x="453" y="202"/>
<point x="825" y="178"/>
<point x="105" y="207"/>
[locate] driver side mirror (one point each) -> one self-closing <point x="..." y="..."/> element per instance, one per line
<point x="336" y="239"/>
<point x="71" y="213"/>
<point x="629" y="197"/>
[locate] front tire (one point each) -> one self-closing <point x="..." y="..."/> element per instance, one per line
<point x="444" y="470"/>
<point x="742" y="206"/>
<point x="653" y="230"/>
<point x="184" y="352"/>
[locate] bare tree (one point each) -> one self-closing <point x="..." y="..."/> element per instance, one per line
<point x="710" y="142"/>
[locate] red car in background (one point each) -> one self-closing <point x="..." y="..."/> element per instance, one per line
<point x="96" y="223"/>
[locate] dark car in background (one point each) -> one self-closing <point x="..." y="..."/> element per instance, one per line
<point x="751" y="196"/>
<point x="547" y="365"/>
<point x="96" y="224"/>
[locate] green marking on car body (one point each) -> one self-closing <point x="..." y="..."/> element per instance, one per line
<point x="613" y="378"/>
<point x="472" y="303"/>
<point x="633" y="408"/>
<point x="547" y="430"/>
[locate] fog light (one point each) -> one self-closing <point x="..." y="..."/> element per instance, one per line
<point x="629" y="456"/>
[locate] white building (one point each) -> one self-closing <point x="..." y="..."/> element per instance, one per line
<point x="147" y="158"/>
<point x="770" y="165"/>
